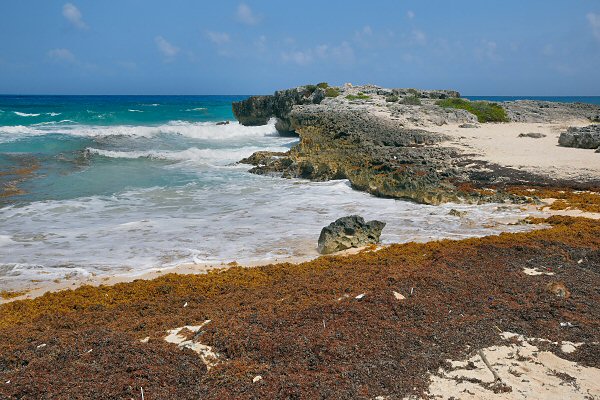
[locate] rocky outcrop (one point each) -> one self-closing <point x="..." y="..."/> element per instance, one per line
<point x="258" y="110"/>
<point x="368" y="135"/>
<point x="349" y="232"/>
<point x="548" y="111"/>
<point x="377" y="155"/>
<point x="585" y="138"/>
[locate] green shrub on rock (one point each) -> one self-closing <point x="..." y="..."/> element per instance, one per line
<point x="411" y="100"/>
<point x="311" y="88"/>
<point x="483" y="110"/>
<point x="392" y="98"/>
<point x="323" y="85"/>
<point x="332" y="92"/>
<point x="359" y="96"/>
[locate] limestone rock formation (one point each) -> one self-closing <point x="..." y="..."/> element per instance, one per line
<point x="587" y="137"/>
<point x="379" y="141"/>
<point x="257" y="110"/>
<point x="349" y="232"/>
<point x="548" y="111"/>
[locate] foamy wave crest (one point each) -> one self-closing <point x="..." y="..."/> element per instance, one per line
<point x="22" y="114"/>
<point x="195" y="130"/>
<point x="194" y="154"/>
<point x="53" y="114"/>
<point x="132" y="110"/>
<point x="197" y="109"/>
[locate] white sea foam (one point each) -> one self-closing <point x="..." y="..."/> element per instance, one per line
<point x="5" y="240"/>
<point x="245" y="217"/>
<point x="22" y="114"/>
<point x="132" y="110"/>
<point x="197" y="109"/>
<point x="193" y="154"/>
<point x="195" y="130"/>
<point x="53" y="114"/>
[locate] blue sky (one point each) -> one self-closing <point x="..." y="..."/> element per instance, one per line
<point x="525" y="47"/>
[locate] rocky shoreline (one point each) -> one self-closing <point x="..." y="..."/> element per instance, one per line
<point x="379" y="139"/>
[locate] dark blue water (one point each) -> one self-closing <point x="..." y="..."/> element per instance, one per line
<point x="114" y="110"/>
<point x="560" y="99"/>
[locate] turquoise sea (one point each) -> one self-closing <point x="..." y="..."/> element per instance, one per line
<point x="109" y="185"/>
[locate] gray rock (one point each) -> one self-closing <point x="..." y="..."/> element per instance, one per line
<point x="257" y="110"/>
<point x="455" y="213"/>
<point x="548" y="111"/>
<point x="587" y="137"/>
<point x="468" y="126"/>
<point x="348" y="232"/>
<point x="534" y="135"/>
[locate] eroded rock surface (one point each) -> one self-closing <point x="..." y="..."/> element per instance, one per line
<point x="587" y="137"/>
<point x="377" y="138"/>
<point x="349" y="232"/>
<point x="549" y="111"/>
<point x="257" y="110"/>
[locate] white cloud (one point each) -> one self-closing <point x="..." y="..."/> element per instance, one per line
<point x="488" y="51"/>
<point x="167" y="49"/>
<point x="73" y="15"/>
<point x="261" y="43"/>
<point x="410" y="14"/>
<point x="341" y="54"/>
<point x="594" y="21"/>
<point x="246" y="15"/>
<point x="364" y="37"/>
<point x="218" y="38"/>
<point x="298" y="57"/>
<point x="62" y="55"/>
<point x="419" y="37"/>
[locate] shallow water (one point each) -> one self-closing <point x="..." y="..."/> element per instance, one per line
<point x="142" y="193"/>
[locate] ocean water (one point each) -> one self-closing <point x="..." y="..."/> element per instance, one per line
<point x="111" y="185"/>
<point x="561" y="99"/>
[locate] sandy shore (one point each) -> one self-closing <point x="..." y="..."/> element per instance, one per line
<point x="499" y="143"/>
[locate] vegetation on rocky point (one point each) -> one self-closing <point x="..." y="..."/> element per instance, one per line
<point x="483" y="110"/>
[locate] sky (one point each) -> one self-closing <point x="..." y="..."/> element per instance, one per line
<point x="524" y="47"/>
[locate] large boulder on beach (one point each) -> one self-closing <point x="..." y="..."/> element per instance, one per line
<point x="587" y="137"/>
<point x="349" y="232"/>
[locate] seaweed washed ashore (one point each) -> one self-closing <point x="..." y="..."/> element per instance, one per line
<point x="380" y="324"/>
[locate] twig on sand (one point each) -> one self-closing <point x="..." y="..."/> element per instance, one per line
<point x="142" y="390"/>
<point x="487" y="364"/>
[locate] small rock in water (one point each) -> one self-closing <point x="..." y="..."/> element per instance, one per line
<point x="457" y="213"/>
<point x="534" y="135"/>
<point x="348" y="232"/>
